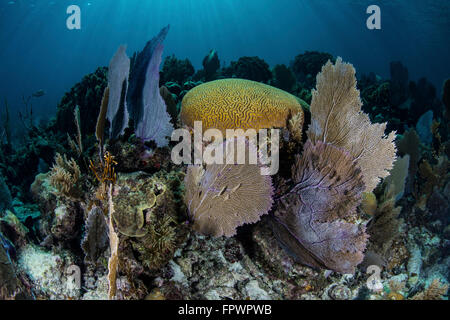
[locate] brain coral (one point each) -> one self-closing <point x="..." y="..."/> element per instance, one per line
<point x="238" y="104"/>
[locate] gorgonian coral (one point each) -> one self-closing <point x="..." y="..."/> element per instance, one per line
<point x="337" y="119"/>
<point x="117" y="112"/>
<point x="65" y="175"/>
<point x="221" y="197"/>
<point x="344" y="156"/>
<point x="238" y="104"/>
<point x="317" y="219"/>
<point x="133" y="86"/>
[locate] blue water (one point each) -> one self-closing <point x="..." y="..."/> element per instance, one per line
<point x="39" y="52"/>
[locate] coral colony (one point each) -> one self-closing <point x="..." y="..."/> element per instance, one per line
<point x="238" y="182"/>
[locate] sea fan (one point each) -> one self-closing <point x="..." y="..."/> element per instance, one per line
<point x="117" y="112"/>
<point x="221" y="197"/>
<point x="337" y="119"/>
<point x="147" y="107"/>
<point x="317" y="221"/>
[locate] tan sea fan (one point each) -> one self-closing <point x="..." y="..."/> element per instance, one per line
<point x="221" y="197"/>
<point x="337" y="119"/>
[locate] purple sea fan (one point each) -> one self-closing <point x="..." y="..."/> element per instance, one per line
<point x="316" y="221"/>
<point x="117" y="112"/>
<point x="222" y="197"/>
<point x="147" y="107"/>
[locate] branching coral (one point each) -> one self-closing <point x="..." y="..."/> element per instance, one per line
<point x="65" y="176"/>
<point x="238" y="104"/>
<point x="221" y="197"/>
<point x="336" y="118"/>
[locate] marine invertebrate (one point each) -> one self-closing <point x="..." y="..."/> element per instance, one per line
<point x="399" y="83"/>
<point x="250" y="68"/>
<point x="113" y="261"/>
<point x="409" y="145"/>
<point x="65" y="176"/>
<point x="130" y="205"/>
<point x="155" y="123"/>
<point x="158" y="245"/>
<point x="87" y="94"/>
<point x="336" y="118"/>
<point x="385" y="225"/>
<point x="134" y="88"/>
<point x="434" y="291"/>
<point x="5" y="195"/>
<point x="221" y="198"/>
<point x="238" y="104"/>
<point x="211" y="64"/>
<point x="317" y="220"/>
<point x="47" y="271"/>
<point x="283" y="77"/>
<point x="95" y="240"/>
<point x="145" y="214"/>
<point x="176" y="70"/>
<point x="170" y="103"/>
<point x="10" y="285"/>
<point x="105" y="171"/>
<point x="117" y="111"/>
<point x="307" y="65"/>
<point x="77" y="146"/>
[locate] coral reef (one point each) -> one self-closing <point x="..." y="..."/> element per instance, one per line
<point x="283" y="78"/>
<point x="307" y="65"/>
<point x="5" y="195"/>
<point x="176" y="70"/>
<point x="211" y="64"/>
<point x="250" y="68"/>
<point x="139" y="226"/>
<point x="209" y="103"/>
<point x="49" y="271"/>
<point x="86" y="94"/>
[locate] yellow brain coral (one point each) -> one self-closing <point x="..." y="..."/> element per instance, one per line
<point x="238" y="104"/>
